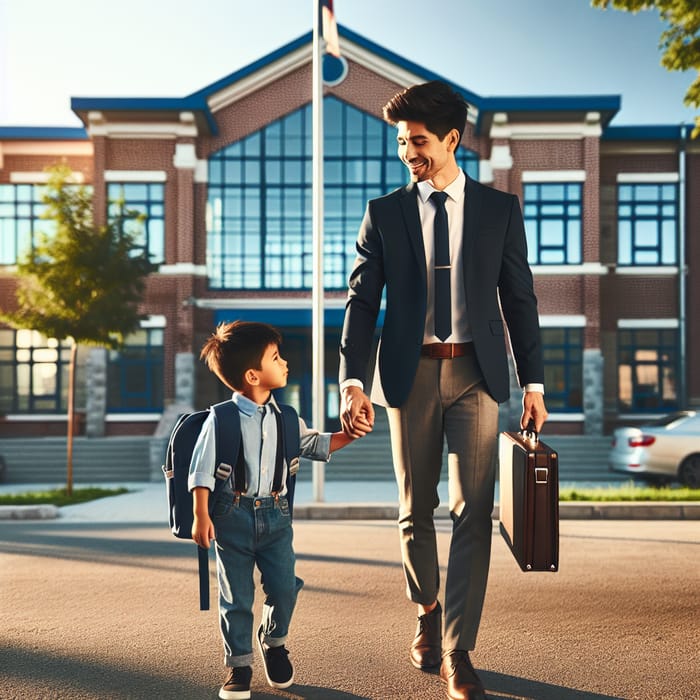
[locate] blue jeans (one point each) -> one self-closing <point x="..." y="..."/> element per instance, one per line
<point x="252" y="531"/>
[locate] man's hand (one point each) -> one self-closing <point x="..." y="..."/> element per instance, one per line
<point x="533" y="408"/>
<point x="356" y="412"/>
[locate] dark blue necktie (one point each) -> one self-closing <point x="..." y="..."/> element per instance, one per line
<point x="441" y="269"/>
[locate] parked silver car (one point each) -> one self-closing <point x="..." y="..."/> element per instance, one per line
<point x="664" y="450"/>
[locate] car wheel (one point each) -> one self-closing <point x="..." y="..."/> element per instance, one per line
<point x="689" y="472"/>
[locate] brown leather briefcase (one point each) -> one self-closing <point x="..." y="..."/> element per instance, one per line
<point x="529" y="500"/>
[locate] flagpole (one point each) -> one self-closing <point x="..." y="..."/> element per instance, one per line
<point x="318" y="389"/>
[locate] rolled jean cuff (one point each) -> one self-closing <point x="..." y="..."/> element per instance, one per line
<point x="275" y="641"/>
<point x="238" y="661"/>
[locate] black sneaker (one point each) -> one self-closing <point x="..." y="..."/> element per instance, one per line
<point x="237" y="685"/>
<point x="278" y="668"/>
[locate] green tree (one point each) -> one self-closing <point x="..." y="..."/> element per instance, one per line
<point x="81" y="281"/>
<point x="680" y="42"/>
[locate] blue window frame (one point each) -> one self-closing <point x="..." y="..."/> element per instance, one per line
<point x="135" y="373"/>
<point x="259" y="204"/>
<point x="553" y="215"/>
<point x="146" y="198"/>
<point x="647" y="224"/>
<point x="648" y="361"/>
<point x="563" y="368"/>
<point x="21" y="207"/>
<point x="33" y="372"/>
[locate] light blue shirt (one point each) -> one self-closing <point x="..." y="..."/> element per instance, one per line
<point x="259" y="437"/>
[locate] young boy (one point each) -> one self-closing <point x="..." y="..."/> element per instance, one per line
<point x="252" y="524"/>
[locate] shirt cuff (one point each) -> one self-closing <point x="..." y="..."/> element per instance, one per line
<point x="537" y="388"/>
<point x="199" y="479"/>
<point x="352" y="382"/>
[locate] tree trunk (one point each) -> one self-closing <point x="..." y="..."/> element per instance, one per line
<point x="71" y="418"/>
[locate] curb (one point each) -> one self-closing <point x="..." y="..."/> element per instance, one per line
<point x="568" y="510"/>
<point x="38" y="512"/>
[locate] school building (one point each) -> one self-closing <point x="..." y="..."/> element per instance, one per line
<point x="224" y="178"/>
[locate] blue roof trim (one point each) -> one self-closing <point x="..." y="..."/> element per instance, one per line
<point x="285" y="318"/>
<point x="194" y="103"/>
<point x="562" y="103"/>
<point x="43" y="133"/>
<point x="137" y="103"/>
<point x="643" y="133"/>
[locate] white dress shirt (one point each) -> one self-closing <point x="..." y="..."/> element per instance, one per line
<point x="454" y="205"/>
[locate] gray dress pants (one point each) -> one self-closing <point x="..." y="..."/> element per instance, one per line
<point x="448" y="400"/>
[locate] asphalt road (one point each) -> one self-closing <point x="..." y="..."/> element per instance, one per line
<point x="110" y="610"/>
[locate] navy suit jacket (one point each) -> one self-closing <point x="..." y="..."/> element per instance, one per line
<point x="390" y="253"/>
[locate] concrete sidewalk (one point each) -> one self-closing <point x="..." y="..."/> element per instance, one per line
<point x="145" y="503"/>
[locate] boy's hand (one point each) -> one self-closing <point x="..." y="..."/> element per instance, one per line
<point x="361" y="426"/>
<point x="203" y="530"/>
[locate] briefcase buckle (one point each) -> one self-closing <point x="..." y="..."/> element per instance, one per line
<point x="541" y="475"/>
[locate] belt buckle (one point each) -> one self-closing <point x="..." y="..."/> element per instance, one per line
<point x="452" y="351"/>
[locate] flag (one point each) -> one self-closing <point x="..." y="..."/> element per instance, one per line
<point x="330" y="28"/>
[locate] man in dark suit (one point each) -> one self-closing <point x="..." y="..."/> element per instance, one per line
<point x="451" y="255"/>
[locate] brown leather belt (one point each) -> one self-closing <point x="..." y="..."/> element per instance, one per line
<point x="446" y="351"/>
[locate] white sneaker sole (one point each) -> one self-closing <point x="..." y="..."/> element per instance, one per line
<point x="234" y="694"/>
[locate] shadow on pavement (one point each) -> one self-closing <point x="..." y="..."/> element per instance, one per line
<point x="502" y="687"/>
<point x="28" y="673"/>
<point x="32" y="673"/>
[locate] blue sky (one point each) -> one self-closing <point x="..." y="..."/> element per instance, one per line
<point x="51" y="51"/>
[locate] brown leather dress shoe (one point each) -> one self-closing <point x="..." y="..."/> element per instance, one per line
<point x="426" y="650"/>
<point x="462" y="682"/>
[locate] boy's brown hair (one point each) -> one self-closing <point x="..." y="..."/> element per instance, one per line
<point x="434" y="104"/>
<point x="237" y="346"/>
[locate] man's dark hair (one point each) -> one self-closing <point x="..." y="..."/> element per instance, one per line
<point x="434" y="104"/>
<point x="236" y="347"/>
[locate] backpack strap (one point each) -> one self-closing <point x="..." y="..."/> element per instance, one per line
<point x="228" y="442"/>
<point x="279" y="456"/>
<point x="291" y="448"/>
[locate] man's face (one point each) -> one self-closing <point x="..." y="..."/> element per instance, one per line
<point x="423" y="153"/>
<point x="273" y="370"/>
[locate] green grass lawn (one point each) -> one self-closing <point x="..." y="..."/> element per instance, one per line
<point x="57" y="497"/>
<point x="630" y="492"/>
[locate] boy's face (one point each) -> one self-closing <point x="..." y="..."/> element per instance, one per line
<point x="273" y="369"/>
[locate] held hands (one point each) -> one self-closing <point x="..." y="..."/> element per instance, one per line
<point x="356" y="412"/>
<point x="533" y="408"/>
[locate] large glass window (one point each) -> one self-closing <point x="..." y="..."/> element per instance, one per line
<point x="135" y="373"/>
<point x="647" y="369"/>
<point x="33" y="372"/>
<point x="146" y="198"/>
<point x="21" y="207"/>
<point x="259" y="207"/>
<point x="647" y="224"/>
<point x="563" y="368"/>
<point x="553" y="215"/>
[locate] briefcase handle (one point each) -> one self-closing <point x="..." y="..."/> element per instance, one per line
<point x="529" y="434"/>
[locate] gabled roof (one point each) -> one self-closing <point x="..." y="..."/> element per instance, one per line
<point x="204" y="103"/>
